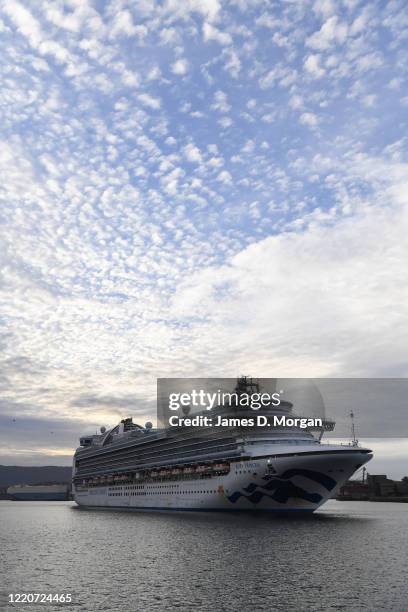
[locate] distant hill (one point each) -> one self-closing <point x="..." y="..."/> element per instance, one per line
<point x="15" y="474"/>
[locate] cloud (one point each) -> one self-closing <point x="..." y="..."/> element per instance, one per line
<point x="209" y="9"/>
<point x="133" y="202"/>
<point x="123" y="24"/>
<point x="192" y="154"/>
<point x="283" y="76"/>
<point x="180" y="67"/>
<point x="343" y="292"/>
<point x="224" y="177"/>
<point x="312" y="65"/>
<point x="225" y="122"/>
<point x="233" y="64"/>
<point x="149" y="101"/>
<point x="210" y="32"/>
<point x="309" y="119"/>
<point x="29" y="27"/>
<point x="221" y="102"/>
<point x="332" y="32"/>
<point x="124" y="404"/>
<point x="324" y="8"/>
<point x="24" y="21"/>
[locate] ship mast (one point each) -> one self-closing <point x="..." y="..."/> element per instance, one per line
<point x="354" y="441"/>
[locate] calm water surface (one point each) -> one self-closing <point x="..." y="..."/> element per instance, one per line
<point x="349" y="556"/>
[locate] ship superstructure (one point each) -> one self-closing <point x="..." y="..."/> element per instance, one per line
<point x="233" y="468"/>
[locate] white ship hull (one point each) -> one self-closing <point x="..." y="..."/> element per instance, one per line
<point x="290" y="480"/>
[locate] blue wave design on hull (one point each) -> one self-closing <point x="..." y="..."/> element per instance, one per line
<point x="281" y="488"/>
<point x="327" y="481"/>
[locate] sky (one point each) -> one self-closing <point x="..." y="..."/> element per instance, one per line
<point x="197" y="188"/>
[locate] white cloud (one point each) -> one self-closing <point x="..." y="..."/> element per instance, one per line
<point x="154" y="74"/>
<point x="312" y="65"/>
<point x="296" y="101"/>
<point x="169" y="36"/>
<point x="224" y="177"/>
<point x="192" y="154"/>
<point x="225" y="122"/>
<point x="248" y="147"/>
<point x="233" y="64"/>
<point x="343" y="291"/>
<point x="221" y="102"/>
<point x="26" y="24"/>
<point x="210" y="32"/>
<point x="215" y="162"/>
<point x="368" y="62"/>
<point x="29" y="27"/>
<point x="284" y="76"/>
<point x="131" y="79"/>
<point x="324" y="8"/>
<point x="332" y="32"/>
<point x="72" y="21"/>
<point x="123" y="24"/>
<point x="360" y="23"/>
<point x="369" y="101"/>
<point x="207" y="8"/>
<point x="197" y="114"/>
<point x="149" y="101"/>
<point x="309" y="119"/>
<point x="180" y="67"/>
<point x="269" y="117"/>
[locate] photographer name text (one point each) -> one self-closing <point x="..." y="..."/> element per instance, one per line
<point x="257" y="421"/>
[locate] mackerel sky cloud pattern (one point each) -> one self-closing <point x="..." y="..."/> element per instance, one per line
<point x="196" y="188"/>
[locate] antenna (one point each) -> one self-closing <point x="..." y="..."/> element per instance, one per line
<point x="354" y="441"/>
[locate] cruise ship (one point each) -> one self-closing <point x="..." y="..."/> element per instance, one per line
<point x="269" y="469"/>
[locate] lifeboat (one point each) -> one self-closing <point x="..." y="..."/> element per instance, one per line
<point x="201" y="469"/>
<point x="163" y="472"/>
<point x="175" y="471"/>
<point x="189" y="470"/>
<point x="154" y="473"/>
